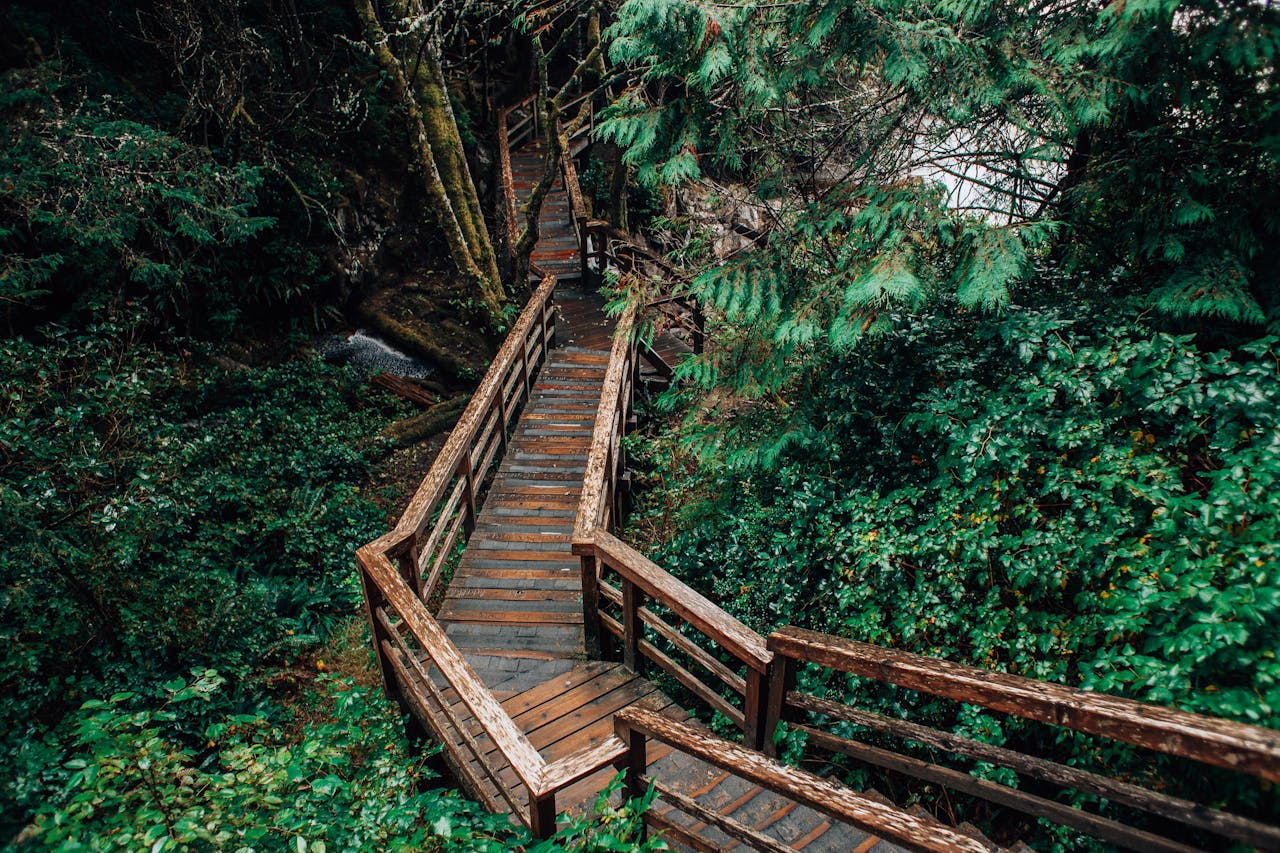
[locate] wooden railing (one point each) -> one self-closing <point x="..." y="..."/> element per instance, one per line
<point x="637" y="725"/>
<point x="401" y="573"/>
<point x="1250" y="750"/>
<point x="656" y="619"/>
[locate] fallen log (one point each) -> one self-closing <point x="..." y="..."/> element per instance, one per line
<point x="440" y="417"/>
<point x="406" y="388"/>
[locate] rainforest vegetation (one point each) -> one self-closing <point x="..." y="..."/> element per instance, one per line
<point x="993" y="371"/>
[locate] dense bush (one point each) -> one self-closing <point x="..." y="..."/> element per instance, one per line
<point x="1087" y="501"/>
<point x="163" y="513"/>
<point x="346" y="782"/>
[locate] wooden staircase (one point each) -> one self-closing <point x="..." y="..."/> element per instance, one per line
<point x="531" y="672"/>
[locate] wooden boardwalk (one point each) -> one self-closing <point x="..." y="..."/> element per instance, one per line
<point x="514" y="605"/>
<point x="557" y="249"/>
<point x="525" y="494"/>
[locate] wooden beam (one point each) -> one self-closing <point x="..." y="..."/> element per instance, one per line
<point x="1186" y="812"/>
<point x="1221" y="743"/>
<point x="888" y="821"/>
<point x="723" y="630"/>
<point x="993" y="792"/>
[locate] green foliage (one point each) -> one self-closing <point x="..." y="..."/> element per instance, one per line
<point x="910" y="152"/>
<point x="346" y="782"/>
<point x="162" y="514"/>
<point x="1058" y="494"/>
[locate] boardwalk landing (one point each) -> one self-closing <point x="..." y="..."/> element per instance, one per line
<point x="514" y="606"/>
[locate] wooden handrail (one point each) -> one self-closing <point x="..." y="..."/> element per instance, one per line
<point x="1222" y="743"/>
<point x="604" y="435"/>
<point x="635" y="724"/>
<point x="1251" y="750"/>
<point x="432" y="487"/>
<point x="504" y="175"/>
<point x="497" y="724"/>
<point x="691" y="606"/>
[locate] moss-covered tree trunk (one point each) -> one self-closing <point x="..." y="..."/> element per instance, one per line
<point x="441" y="163"/>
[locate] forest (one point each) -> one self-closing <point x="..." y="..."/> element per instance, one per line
<point x="992" y="369"/>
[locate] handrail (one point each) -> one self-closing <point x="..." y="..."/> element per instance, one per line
<point x="397" y="596"/>
<point x="594" y="507"/>
<point x="1222" y="743"/>
<point x="515" y="352"/>
<point x="504" y="175"/>
<point x="695" y="609"/>
<point x="635" y="725"/>
<point x="1239" y="747"/>
<point x="640" y="579"/>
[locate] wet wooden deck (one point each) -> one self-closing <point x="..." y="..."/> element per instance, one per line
<point x="514" y="605"/>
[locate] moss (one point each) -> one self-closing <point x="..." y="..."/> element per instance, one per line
<point x="436" y="419"/>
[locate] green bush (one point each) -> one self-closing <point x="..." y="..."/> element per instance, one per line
<point x="162" y="513"/>
<point x="1089" y="502"/>
<point x="347" y="781"/>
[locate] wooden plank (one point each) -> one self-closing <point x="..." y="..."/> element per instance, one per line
<point x="679" y="834"/>
<point x="912" y="831"/>
<point x="520" y="617"/>
<point x="692" y="683"/>
<point x="668" y="632"/>
<point x="1221" y="743"/>
<point x="552" y="688"/>
<point x="1186" y="812"/>
<point x="1087" y="822"/>
<point x="572" y="701"/>
<point x="727" y="825"/>
<point x="527" y="594"/>
<point x="466" y="770"/>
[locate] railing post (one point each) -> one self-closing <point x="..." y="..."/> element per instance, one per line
<point x="632" y="601"/>
<point x="781" y="682"/>
<point x="637" y="765"/>
<point x="591" y="607"/>
<point x="503" y="414"/>
<point x="755" y="705"/>
<point x="409" y="569"/>
<point x="699" y="328"/>
<point x="373" y="601"/>
<point x="542" y="815"/>
<point x="549" y="320"/>
<point x="524" y="366"/>
<point x="468" y="491"/>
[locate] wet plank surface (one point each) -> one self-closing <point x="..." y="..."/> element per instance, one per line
<point x="514" y="605"/>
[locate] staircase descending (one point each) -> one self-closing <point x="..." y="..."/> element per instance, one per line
<point x="508" y="673"/>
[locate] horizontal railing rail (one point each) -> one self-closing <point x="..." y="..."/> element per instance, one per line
<point x="1247" y="749"/>
<point x="401" y="574"/>
<point x="635" y="726"/>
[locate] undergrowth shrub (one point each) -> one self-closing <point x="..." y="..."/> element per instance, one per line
<point x="347" y="781"/>
<point x="1087" y="501"/>
<point x="163" y="513"/>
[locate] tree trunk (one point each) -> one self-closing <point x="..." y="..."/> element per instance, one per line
<point x="482" y="276"/>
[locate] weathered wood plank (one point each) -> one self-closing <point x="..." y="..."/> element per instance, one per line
<point x="912" y="831"/>
<point x="1184" y="811"/>
<point x="1221" y="743"/>
<point x="1100" y="827"/>
<point x="688" y="604"/>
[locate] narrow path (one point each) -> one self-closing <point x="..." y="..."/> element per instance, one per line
<point x="557" y="248"/>
<point x="514" y="605"/>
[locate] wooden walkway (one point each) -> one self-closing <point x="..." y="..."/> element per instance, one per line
<point x="514" y="605"/>
<point x="530" y="484"/>
<point x="557" y="249"/>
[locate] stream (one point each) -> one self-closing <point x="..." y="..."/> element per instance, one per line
<point x="373" y="355"/>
